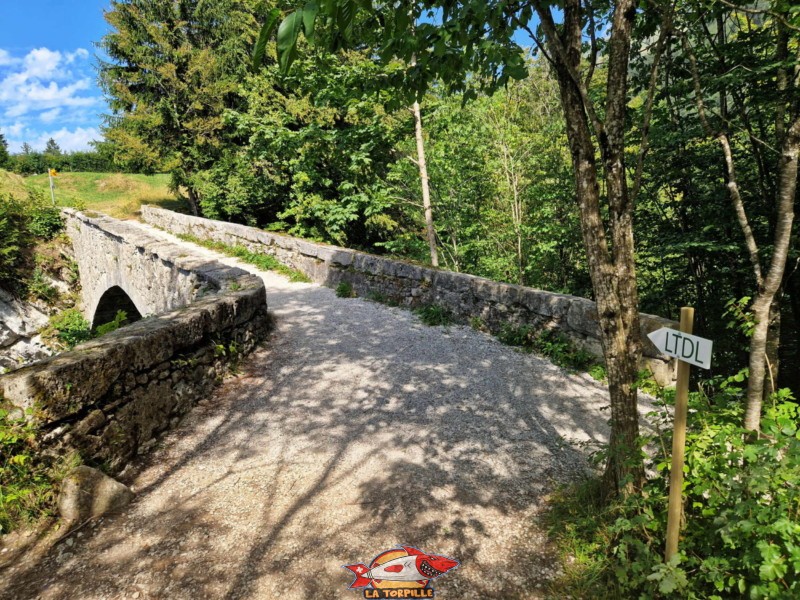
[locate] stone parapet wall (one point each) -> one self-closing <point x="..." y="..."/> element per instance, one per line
<point x="108" y="398"/>
<point x="112" y="253"/>
<point x="465" y="296"/>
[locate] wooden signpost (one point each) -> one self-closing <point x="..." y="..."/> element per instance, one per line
<point x="689" y="350"/>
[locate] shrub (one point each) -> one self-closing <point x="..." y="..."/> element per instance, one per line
<point x="40" y="288"/>
<point x="45" y="221"/>
<point x="21" y="224"/>
<point x="345" y="290"/>
<point x="478" y="324"/>
<point x="598" y="372"/>
<point x="434" y="315"/>
<point x="516" y="335"/>
<point x="67" y="329"/>
<point x="120" y="319"/>
<point x="13" y="236"/>
<point x="742" y="510"/>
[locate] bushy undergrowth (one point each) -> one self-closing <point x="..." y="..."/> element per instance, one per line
<point x="262" y="261"/>
<point x="741" y="535"/>
<point x="434" y="315"/>
<point x="552" y="344"/>
<point x="28" y="478"/>
<point x="345" y="290"/>
<point x="120" y="319"/>
<point x="23" y="223"/>
<point x="67" y="329"/>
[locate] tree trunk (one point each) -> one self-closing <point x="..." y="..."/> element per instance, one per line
<point x="787" y="186"/>
<point x="193" y="203"/>
<point x="773" y="346"/>
<point x="612" y="270"/>
<point x="426" y="192"/>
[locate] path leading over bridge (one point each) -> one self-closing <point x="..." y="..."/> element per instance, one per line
<point x="354" y="429"/>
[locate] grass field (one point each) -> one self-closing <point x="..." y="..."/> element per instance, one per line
<point x="117" y="194"/>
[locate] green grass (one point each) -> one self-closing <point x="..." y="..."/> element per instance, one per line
<point x="434" y="315"/>
<point x="555" y="346"/>
<point x="119" y="195"/>
<point x="345" y="290"/>
<point x="264" y="262"/>
<point x="578" y="521"/>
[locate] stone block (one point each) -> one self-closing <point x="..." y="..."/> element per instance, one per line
<point x="86" y="493"/>
<point x="582" y="317"/>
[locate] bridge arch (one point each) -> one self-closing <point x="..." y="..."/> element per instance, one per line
<point x="112" y="300"/>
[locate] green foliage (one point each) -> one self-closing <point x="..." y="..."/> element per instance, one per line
<point x="45" y="220"/>
<point x="434" y="315"/>
<point x="39" y="287"/>
<point x="381" y="298"/>
<point x="23" y="222"/>
<point x="314" y="153"/>
<point x="13" y="238"/>
<point x="598" y="372"/>
<point x="262" y="261"/>
<point x="550" y="343"/>
<point x="742" y="319"/>
<point x="517" y="335"/>
<point x="28" y="478"/>
<point x="345" y="290"/>
<point x="67" y="329"/>
<point x="742" y="509"/>
<point x="120" y="319"/>
<point x="478" y="324"/>
<point x="4" y="155"/>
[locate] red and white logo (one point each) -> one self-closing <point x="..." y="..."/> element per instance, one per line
<point x="403" y="572"/>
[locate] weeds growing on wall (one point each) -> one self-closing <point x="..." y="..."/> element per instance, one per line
<point x="554" y="345"/>
<point x="345" y="290"/>
<point x="264" y="262"/>
<point x="741" y="536"/>
<point x="434" y="315"/>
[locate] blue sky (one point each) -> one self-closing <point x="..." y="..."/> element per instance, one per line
<point x="48" y="82"/>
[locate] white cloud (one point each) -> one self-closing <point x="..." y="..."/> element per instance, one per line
<point x="69" y="140"/>
<point x="6" y="59"/>
<point x="16" y="129"/>
<point x="80" y="53"/>
<point x="42" y="63"/>
<point x="49" y="87"/>
<point x="50" y="115"/>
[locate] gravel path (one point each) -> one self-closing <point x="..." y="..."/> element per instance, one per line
<point x="354" y="429"/>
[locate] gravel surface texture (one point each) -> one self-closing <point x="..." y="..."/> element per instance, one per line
<point x="354" y="429"/>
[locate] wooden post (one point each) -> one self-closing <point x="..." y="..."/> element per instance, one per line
<point x="678" y="444"/>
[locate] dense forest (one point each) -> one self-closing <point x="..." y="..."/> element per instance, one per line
<point x="644" y="155"/>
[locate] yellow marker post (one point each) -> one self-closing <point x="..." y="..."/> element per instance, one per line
<point x="52" y="173"/>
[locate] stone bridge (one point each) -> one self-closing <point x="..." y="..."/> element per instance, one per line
<point x="109" y="397"/>
<point x="193" y="316"/>
<point x="122" y="267"/>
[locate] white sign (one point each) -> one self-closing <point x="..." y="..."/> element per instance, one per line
<point x="683" y="346"/>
